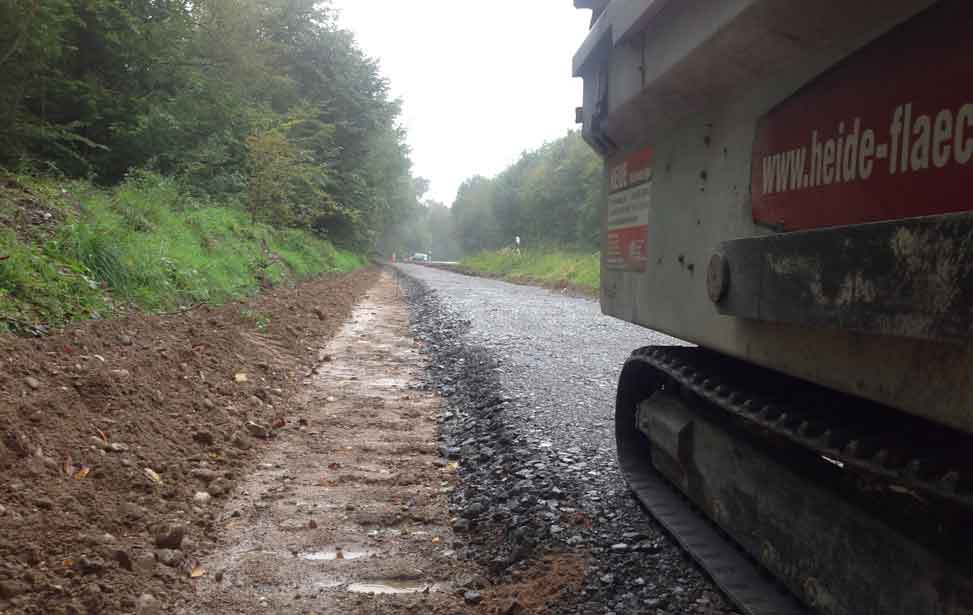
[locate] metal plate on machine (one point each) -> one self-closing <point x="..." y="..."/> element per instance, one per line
<point x="886" y="134"/>
<point x="627" y="214"/>
<point x="907" y="278"/>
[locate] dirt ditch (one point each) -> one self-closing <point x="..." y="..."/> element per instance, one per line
<point x="120" y="438"/>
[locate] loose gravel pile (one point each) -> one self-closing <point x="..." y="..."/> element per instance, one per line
<point x="528" y="418"/>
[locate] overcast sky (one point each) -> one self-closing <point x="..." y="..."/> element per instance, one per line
<point x="480" y="80"/>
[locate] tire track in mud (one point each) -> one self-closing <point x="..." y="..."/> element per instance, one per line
<point x="349" y="510"/>
<point x="347" y="513"/>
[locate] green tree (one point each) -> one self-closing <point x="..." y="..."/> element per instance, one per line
<point x="211" y="92"/>
<point x="551" y="195"/>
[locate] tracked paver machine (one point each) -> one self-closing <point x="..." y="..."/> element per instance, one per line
<point x="788" y="187"/>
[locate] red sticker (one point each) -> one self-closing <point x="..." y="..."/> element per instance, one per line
<point x="886" y="134"/>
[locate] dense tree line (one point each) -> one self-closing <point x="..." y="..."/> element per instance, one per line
<point x="263" y="102"/>
<point x="550" y="196"/>
<point x="429" y="230"/>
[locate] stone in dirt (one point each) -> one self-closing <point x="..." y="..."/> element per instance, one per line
<point x="169" y="557"/>
<point x="144" y="563"/>
<point x="132" y="510"/>
<point x="147" y="605"/>
<point x="514" y="608"/>
<point x="91" y="565"/>
<point x="169" y="535"/>
<point x="123" y="558"/>
<point x="204" y="474"/>
<point x="474" y="510"/>
<point x="241" y="441"/>
<point x="204" y="437"/>
<point x="257" y="430"/>
<point x="202" y="497"/>
<point x="219" y="487"/>
<point x="12" y="589"/>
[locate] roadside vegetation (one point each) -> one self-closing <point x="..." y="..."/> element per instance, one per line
<point x="188" y="150"/>
<point x="70" y="250"/>
<point x="550" y="196"/>
<point x="550" y="199"/>
<point x="552" y="267"/>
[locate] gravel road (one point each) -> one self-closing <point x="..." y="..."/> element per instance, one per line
<point x="530" y="378"/>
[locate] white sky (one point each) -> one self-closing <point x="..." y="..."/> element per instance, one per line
<point x="480" y="80"/>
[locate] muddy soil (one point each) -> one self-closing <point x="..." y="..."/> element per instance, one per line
<point x="121" y="438"/>
<point x="276" y="456"/>
<point x="349" y="510"/>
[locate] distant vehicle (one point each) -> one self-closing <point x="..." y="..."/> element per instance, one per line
<point x="419" y="257"/>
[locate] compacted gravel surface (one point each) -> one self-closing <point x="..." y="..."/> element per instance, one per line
<point x="529" y="379"/>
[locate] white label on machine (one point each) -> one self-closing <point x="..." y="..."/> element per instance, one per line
<point x="627" y="215"/>
<point x="628" y="228"/>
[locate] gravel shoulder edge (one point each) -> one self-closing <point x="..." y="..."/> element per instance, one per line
<point x="517" y="504"/>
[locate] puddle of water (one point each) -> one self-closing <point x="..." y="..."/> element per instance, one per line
<point x="328" y="584"/>
<point x="389" y="587"/>
<point x="389" y="382"/>
<point x="337" y="554"/>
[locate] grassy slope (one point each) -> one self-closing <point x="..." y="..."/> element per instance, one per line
<point x="544" y="266"/>
<point x="70" y="251"/>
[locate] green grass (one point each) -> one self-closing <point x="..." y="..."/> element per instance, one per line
<point x="144" y="243"/>
<point x="547" y="266"/>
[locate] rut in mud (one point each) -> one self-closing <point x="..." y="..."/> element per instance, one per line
<point x="347" y="511"/>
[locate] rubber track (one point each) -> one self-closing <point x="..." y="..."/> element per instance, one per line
<point x="868" y="447"/>
<point x="743" y="582"/>
<point x="874" y="448"/>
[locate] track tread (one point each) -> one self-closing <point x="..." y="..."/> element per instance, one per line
<point x="929" y="469"/>
<point x="744" y="583"/>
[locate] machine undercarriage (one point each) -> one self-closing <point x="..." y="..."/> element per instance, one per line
<point x="787" y="187"/>
<point x="855" y="508"/>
